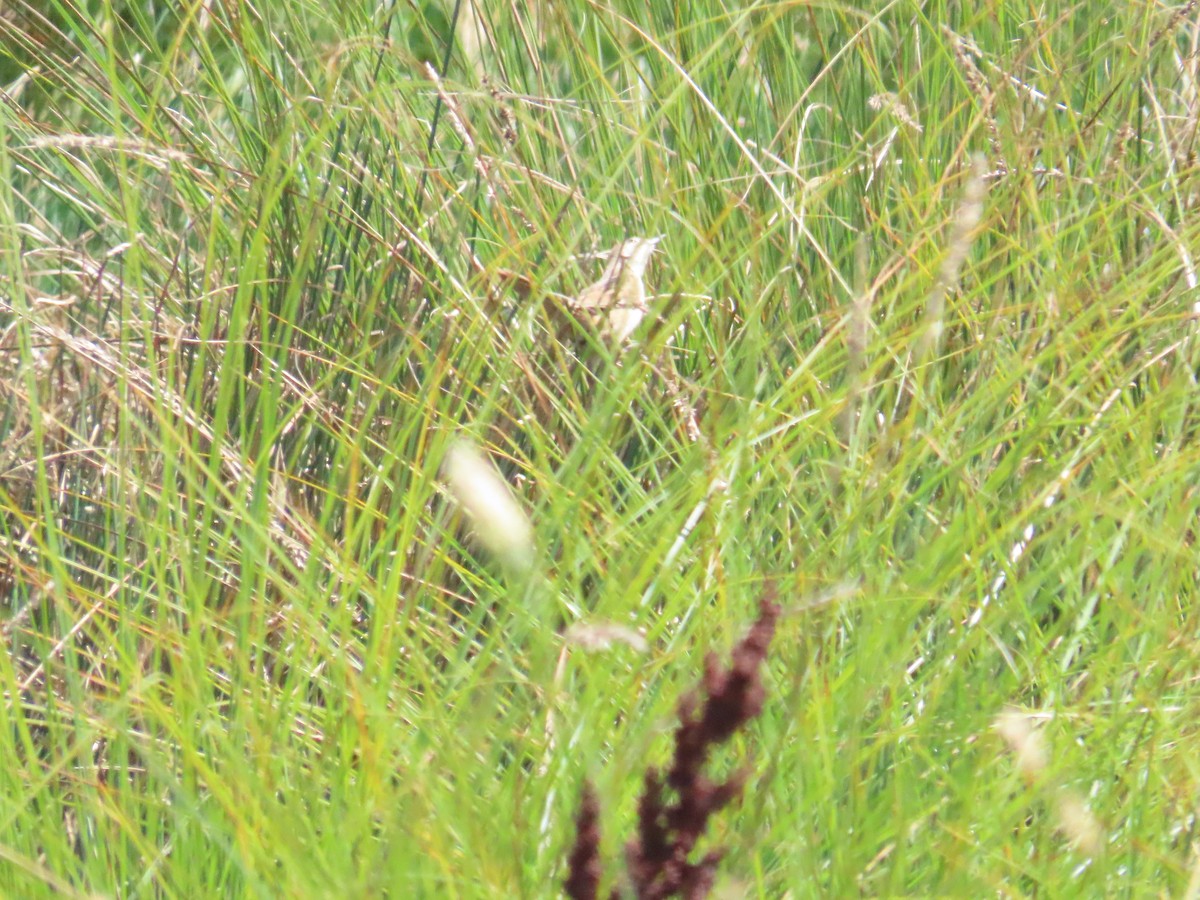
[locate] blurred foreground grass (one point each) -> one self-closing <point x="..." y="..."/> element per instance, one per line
<point x="921" y="350"/>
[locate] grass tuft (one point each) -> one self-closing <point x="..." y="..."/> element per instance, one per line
<point x="918" y="340"/>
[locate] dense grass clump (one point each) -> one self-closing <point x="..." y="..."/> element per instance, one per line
<point x="344" y="532"/>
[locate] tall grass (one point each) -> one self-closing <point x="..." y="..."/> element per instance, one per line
<point x="921" y="351"/>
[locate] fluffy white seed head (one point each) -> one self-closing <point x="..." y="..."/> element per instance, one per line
<point x="499" y="522"/>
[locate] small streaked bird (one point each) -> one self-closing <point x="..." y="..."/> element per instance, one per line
<point x="616" y="304"/>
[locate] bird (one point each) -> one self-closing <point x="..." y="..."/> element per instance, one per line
<point x="616" y="304"/>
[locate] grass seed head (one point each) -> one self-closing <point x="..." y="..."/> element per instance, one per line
<point x="500" y="523"/>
